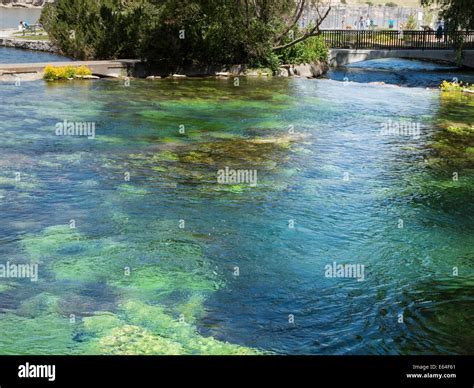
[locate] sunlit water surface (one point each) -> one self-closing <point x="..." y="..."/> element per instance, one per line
<point x="165" y="260"/>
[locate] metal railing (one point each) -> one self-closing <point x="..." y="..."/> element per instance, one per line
<point x="396" y="40"/>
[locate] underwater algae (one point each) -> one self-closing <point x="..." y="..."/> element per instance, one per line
<point x="453" y="144"/>
<point x="146" y="329"/>
<point x="127" y="280"/>
<point x="142" y="321"/>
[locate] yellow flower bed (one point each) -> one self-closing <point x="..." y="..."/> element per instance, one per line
<point x="447" y="86"/>
<point x="53" y="73"/>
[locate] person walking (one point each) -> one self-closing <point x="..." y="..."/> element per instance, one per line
<point x="446" y="32"/>
<point x="439" y="31"/>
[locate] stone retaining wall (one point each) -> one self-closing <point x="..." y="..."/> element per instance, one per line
<point x="309" y="70"/>
<point x="37" y="45"/>
<point x="24" y="3"/>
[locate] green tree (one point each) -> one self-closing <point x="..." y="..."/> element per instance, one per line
<point x="458" y="14"/>
<point x="99" y="29"/>
<point x="181" y="32"/>
<point x="411" y="23"/>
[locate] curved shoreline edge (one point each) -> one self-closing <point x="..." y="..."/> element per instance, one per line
<point x="26" y="44"/>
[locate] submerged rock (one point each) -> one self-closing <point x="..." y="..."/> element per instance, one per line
<point x="146" y="329"/>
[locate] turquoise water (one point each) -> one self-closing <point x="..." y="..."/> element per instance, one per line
<point x="323" y="167"/>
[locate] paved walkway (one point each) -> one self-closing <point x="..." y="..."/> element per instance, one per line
<point x="8" y="33"/>
<point x="114" y="68"/>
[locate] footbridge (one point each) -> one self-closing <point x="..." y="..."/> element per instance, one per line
<point x="349" y="46"/>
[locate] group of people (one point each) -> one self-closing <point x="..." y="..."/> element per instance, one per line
<point x="364" y="24"/>
<point x="367" y="23"/>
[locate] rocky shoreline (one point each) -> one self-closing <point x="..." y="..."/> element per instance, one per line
<point x="141" y="70"/>
<point x="137" y="69"/>
<point x="25" y="44"/>
<point x="305" y="70"/>
<point x="23" y="3"/>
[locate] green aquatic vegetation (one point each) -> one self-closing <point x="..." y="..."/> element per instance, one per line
<point x="137" y="328"/>
<point x="266" y="154"/>
<point x="43" y="303"/>
<point x="25" y="182"/>
<point x="198" y="158"/>
<point x="147" y="329"/>
<point x="452" y="143"/>
<point x="107" y="139"/>
<point x="165" y="156"/>
<point x="157" y="281"/>
<point x="436" y="189"/>
<point x="90" y="260"/>
<point x="461" y="130"/>
<point x="222" y="135"/>
<point x="465" y="183"/>
<point x="131" y="190"/>
<point x="100" y="323"/>
<point x="155" y="319"/>
<point x="206" y="114"/>
<point x="83" y="268"/>
<point x="140" y="328"/>
<point x="134" y="340"/>
<point x="232" y="188"/>
<point x="237" y="152"/>
<point x="159" y="169"/>
<point x="73" y="158"/>
<point x="172" y="139"/>
<point x="152" y="158"/>
<point x="53" y="335"/>
<point x="5" y="287"/>
<point x="72" y="256"/>
<point x="192" y="309"/>
<point x="42" y="246"/>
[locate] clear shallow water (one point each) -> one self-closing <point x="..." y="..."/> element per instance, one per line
<point x="182" y="295"/>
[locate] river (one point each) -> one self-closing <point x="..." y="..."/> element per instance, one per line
<point x="140" y="250"/>
<point x="11" y="17"/>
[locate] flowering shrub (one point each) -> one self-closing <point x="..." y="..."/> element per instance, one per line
<point x="54" y="73"/>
